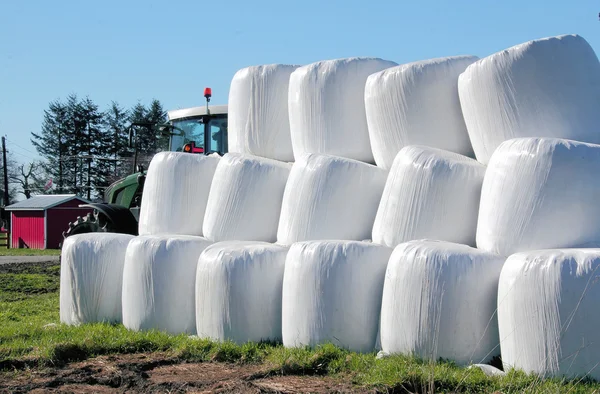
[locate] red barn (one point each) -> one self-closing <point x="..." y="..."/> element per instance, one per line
<point x="38" y="223"/>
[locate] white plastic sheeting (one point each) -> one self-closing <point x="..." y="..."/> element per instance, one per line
<point x="327" y="107"/>
<point x="488" y="370"/>
<point x="258" y="112"/>
<point x="540" y="193"/>
<point x="429" y="193"/>
<point x="245" y="199"/>
<point x="175" y="193"/>
<point x="330" y="197"/>
<point x="332" y="293"/>
<point x="159" y="283"/>
<point x="439" y="300"/>
<point x="91" y="276"/>
<point x="542" y="88"/>
<point x="238" y="291"/>
<point x="417" y="104"/>
<point x="548" y="312"/>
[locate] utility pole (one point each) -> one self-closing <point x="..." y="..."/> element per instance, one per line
<point x="60" y="163"/>
<point x="6" y="197"/>
<point x="89" y="169"/>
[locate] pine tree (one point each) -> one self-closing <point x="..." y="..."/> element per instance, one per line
<point x="149" y="140"/>
<point x="96" y="169"/>
<point x="84" y="148"/>
<point x="51" y="143"/>
<point x="116" y="141"/>
<point x="76" y="142"/>
<point x="70" y="141"/>
<point x="157" y="115"/>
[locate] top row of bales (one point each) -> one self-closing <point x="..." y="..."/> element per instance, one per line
<point x="368" y="109"/>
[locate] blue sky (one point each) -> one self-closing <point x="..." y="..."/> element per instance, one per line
<point x="131" y="51"/>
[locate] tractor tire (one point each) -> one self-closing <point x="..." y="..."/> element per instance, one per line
<point x="90" y="223"/>
<point x="107" y="218"/>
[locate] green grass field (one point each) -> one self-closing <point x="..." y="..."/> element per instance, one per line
<point x="31" y="336"/>
<point x="25" y="252"/>
<point x="29" y="252"/>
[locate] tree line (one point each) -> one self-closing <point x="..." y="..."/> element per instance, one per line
<point x="84" y="149"/>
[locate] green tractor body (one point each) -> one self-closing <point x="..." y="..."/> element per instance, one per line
<point x="197" y="130"/>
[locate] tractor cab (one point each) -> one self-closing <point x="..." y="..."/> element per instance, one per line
<point x="199" y="130"/>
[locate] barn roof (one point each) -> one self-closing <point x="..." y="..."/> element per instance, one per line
<point x="43" y="202"/>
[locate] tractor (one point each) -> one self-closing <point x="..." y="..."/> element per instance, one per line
<point x="196" y="130"/>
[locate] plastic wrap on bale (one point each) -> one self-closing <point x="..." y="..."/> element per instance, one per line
<point x="417" y="104"/>
<point x="540" y="193"/>
<point x="327" y="107"/>
<point x="159" y="283"/>
<point x="439" y="301"/>
<point x="245" y="199"/>
<point x="238" y="291"/>
<point x="328" y="197"/>
<point x="176" y="193"/>
<point x="332" y="294"/>
<point x="91" y="276"/>
<point x="548" y="313"/>
<point x="542" y="88"/>
<point x="258" y="112"/>
<point x="429" y="193"/>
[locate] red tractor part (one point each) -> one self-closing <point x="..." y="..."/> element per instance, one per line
<point x="191" y="147"/>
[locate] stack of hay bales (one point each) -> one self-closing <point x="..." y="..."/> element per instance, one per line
<point x="433" y="207"/>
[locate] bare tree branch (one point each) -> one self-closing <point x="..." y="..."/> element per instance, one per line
<point x="30" y="179"/>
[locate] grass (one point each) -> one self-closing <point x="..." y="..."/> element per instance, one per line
<point x="31" y="336"/>
<point x="29" y="252"/>
<point x="4" y="251"/>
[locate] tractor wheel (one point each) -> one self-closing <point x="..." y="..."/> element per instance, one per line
<point x="107" y="218"/>
<point x="91" y="223"/>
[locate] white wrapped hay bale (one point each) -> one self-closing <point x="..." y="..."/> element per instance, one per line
<point x="429" y="193"/>
<point x="258" y="112"/>
<point x="439" y="301"/>
<point x="327" y="107"/>
<point x="417" y="104"/>
<point x="540" y="193"/>
<point x="548" y="312"/>
<point x="91" y="276"/>
<point x="245" y="199"/>
<point x="238" y="291"/>
<point x="159" y="283"/>
<point x="542" y="88"/>
<point x="332" y="293"/>
<point x="330" y="197"/>
<point x="176" y="192"/>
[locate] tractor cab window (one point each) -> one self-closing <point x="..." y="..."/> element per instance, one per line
<point x="187" y="130"/>
<point x="218" y="135"/>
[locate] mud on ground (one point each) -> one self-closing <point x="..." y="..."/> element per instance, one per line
<point x="157" y="373"/>
<point x="151" y="372"/>
<point x="15" y="266"/>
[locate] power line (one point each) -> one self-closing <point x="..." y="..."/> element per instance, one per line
<point x="13" y="148"/>
<point x="14" y="143"/>
<point x="21" y="154"/>
<point x="16" y="149"/>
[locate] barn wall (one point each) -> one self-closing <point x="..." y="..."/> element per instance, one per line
<point x="27" y="229"/>
<point x="58" y="219"/>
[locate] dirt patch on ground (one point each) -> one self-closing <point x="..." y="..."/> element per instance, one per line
<point x="42" y="267"/>
<point x="157" y="373"/>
